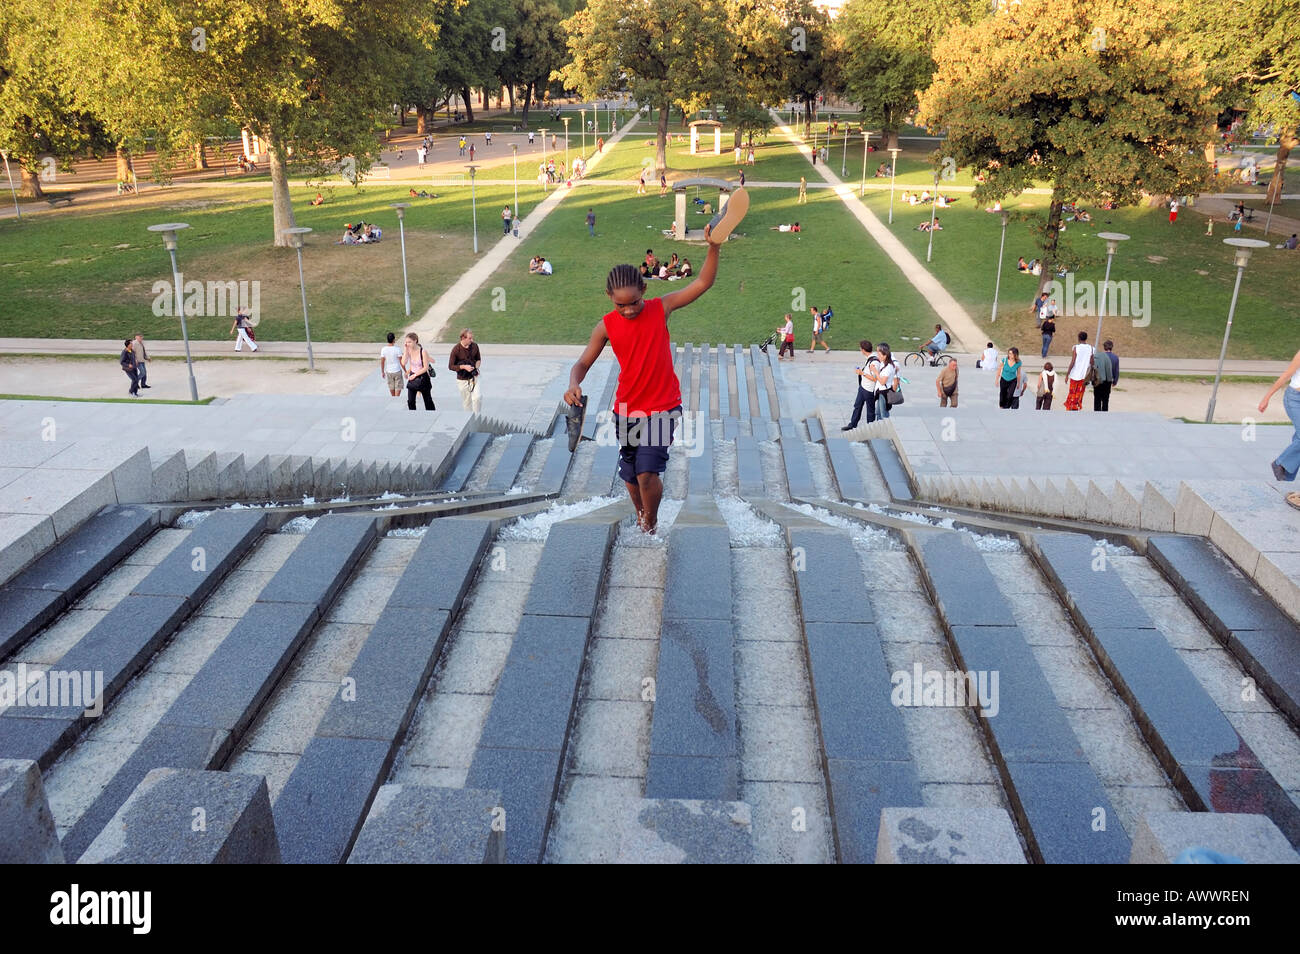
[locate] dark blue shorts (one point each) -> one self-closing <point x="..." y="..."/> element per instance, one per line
<point x="644" y="443"/>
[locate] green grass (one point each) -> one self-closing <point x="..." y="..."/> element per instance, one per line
<point x="760" y="271"/>
<point x="1188" y="308"/>
<point x="1201" y="378"/>
<point x="51" y="397"/>
<point x="90" y="273"/>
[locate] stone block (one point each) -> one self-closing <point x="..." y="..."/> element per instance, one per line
<point x="212" y="550"/>
<point x="1057" y="805"/>
<point x="1224" y="789"/>
<point x="279" y="476"/>
<point x="947" y="836"/>
<point x="302" y="483"/>
<point x="27" y="833"/>
<point x="829" y="575"/>
<point x="415" y="824"/>
<point x="693" y="777"/>
<point x="511" y="462"/>
<point x="1125" y="506"/>
<point x="963" y="585"/>
<point x="257" y="477"/>
<point x="857" y="792"/>
<point x="1075" y="504"/>
<point x="1097" y="504"/>
<point x="1163" y="837"/>
<point x="567" y="581"/>
<point x="321" y="807"/>
<point x="1157" y="510"/>
<point x="25" y="535"/>
<point x="156" y="825"/>
<point x="317" y="568"/>
<point x="699" y="573"/>
<point x="527" y="781"/>
<point x="202" y="466"/>
<point x="170" y="478"/>
<point x="749" y="467"/>
<point x="891" y="467"/>
<point x="230" y="475"/>
<point x="845" y="469"/>
<point x="124" y="640"/>
<point x="851" y="687"/>
<point x="442" y="568"/>
<point x="1089" y="582"/>
<point x="1192" y="514"/>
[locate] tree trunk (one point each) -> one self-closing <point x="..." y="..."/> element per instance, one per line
<point x="891" y="139"/>
<point x="528" y="102"/>
<point x="29" y="183"/>
<point x="469" y="106"/>
<point x="421" y="120"/>
<point x="661" y="141"/>
<point x="510" y="88"/>
<point x="1286" y="142"/>
<point x="123" y="157"/>
<point x="1051" y="240"/>
<point x="200" y="156"/>
<point x="281" y="204"/>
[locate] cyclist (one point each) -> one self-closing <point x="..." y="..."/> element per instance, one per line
<point x="936" y="344"/>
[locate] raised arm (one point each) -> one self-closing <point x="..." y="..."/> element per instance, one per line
<point x="580" y="367"/>
<point x="680" y="299"/>
<point x="1281" y="382"/>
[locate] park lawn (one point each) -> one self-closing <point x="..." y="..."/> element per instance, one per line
<point x="1191" y="278"/>
<point x="762" y="274"/>
<point x="89" y="273"/>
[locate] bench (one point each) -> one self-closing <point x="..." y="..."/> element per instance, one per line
<point x="64" y="198"/>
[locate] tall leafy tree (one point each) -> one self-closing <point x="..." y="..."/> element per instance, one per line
<point x="888" y="53"/>
<point x="314" y="80"/>
<point x="811" y="54"/>
<point x="665" y="52"/>
<point x="1092" y="97"/>
<point x="536" y="48"/>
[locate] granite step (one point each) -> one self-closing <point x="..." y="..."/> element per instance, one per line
<point x="205" y="723"/>
<point x="466" y="459"/>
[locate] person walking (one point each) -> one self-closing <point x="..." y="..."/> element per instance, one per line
<point x="390" y="365"/>
<point x="419" y="376"/>
<point x="461" y="144"/>
<point x="1009" y="382"/>
<point x="1048" y="329"/>
<point x="591" y="223"/>
<point x="420" y="153"/>
<point x="506" y="218"/>
<point x="243" y="331"/>
<point x="1046" y="388"/>
<point x="663" y="185"/>
<point x="819" y="331"/>
<point x="127" y="360"/>
<point x="946" y="384"/>
<point x="886" y="379"/>
<point x="1038" y="307"/>
<point x="786" y="332"/>
<point x="1104" y="379"/>
<point x="803" y="191"/>
<point x="1079" y="371"/>
<point x="1287" y="464"/>
<point x="467" y="361"/>
<point x="866" y="394"/>
<point x="640" y="187"/>
<point x="471" y="152"/>
<point x="141" y="359"/>
<point x="1173" y="210"/>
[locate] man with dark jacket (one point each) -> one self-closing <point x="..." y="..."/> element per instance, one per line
<point x="465" y="361"/>
<point x="127" y="360"/>
<point x="1107" y="365"/>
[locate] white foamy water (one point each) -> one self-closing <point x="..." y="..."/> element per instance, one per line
<point x="538" y="526"/>
<point x="747" y="528"/>
<point x="299" y="525"/>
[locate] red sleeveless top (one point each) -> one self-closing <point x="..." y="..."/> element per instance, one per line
<point x="647" y="383"/>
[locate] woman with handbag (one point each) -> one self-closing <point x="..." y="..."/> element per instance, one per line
<point x="887" y="386"/>
<point x="1011" y="380"/>
<point x="419" y="375"/>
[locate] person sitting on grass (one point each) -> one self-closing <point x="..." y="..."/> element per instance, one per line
<point x="319" y="200"/>
<point x="932" y="226"/>
<point x="422" y="194"/>
<point x="1292" y="242"/>
<point x="882" y="171"/>
<point x="1022" y="265"/>
<point x="674" y="265"/>
<point x="535" y="265"/>
<point x="685" y="270"/>
<point x="785" y="228"/>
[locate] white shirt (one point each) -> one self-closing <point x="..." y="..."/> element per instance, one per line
<point x="788" y="330"/>
<point x="869" y="384"/>
<point x="1047" y="379"/>
<point x="392" y="356"/>
<point x="546" y="268"/>
<point x="1082" y="359"/>
<point x="989" y="358"/>
<point x="885" y="376"/>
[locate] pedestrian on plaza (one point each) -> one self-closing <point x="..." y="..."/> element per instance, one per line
<point x="742" y="178"/>
<point x="506" y="218"/>
<point x="663" y="185"/>
<point x="1011" y="380"/>
<point x="866" y="392"/>
<point x="487" y="139"/>
<point x="420" y="152"/>
<point x="803" y="191"/>
<point x="751" y="156"/>
<point x="1287" y="463"/>
<point x="1046" y="388"/>
<point x="819" y="327"/>
<point x="946" y="384"/>
<point x="461" y="144"/>
<point x="1173" y="210"/>
<point x="786" y="332"/>
<point x="141" y="359"/>
<point x="1040" y="303"/>
<point x="390" y="365"/>
<point x="640" y="188"/>
<point x="886" y="379"/>
<point x="1082" y="361"/>
<point x="466" y="361"/>
<point x="591" y="222"/>
<point x="531" y="138"/>
<point x="127" y="360"/>
<point x="600" y="145"/>
<point x="1048" y="329"/>
<point x="419" y="375"/>
<point x="243" y="330"/>
<point x="1107" y="374"/>
<point x="471" y="152"/>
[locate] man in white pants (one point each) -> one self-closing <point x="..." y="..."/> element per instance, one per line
<point x="242" y="326"/>
<point x="465" y="361"/>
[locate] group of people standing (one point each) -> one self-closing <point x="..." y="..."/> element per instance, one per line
<point x="134" y="360"/>
<point x="1086" y="366"/>
<point x="409" y="367"/>
<point x="878" y="384"/>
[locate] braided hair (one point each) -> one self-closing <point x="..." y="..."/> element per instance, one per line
<point x="624" y="276"/>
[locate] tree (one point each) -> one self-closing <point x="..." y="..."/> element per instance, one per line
<point x="1090" y="96"/>
<point x="535" y="48"/>
<point x="315" y="80"/>
<point x="41" y="127"/>
<point x="1252" y="54"/>
<point x="811" y="55"/>
<point x="664" y="53"/>
<point x="887" y="58"/>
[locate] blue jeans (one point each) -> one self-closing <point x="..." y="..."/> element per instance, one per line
<point x="1289" y="459"/>
<point x="865" y="399"/>
<point x="882" y="406"/>
<point x="1047" y="343"/>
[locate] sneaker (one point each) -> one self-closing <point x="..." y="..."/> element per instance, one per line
<point x="848" y="427"/>
<point x="146" y="385"/>
<point x="1279" y="472"/>
<point x="722" y="224"/>
<point x="574" y="417"/>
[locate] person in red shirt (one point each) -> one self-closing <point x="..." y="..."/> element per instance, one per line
<point x="648" y="402"/>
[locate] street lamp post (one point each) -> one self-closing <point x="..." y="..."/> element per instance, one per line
<point x="844" y="155"/>
<point x="997" y="285"/>
<point x="9" y="175"/>
<point x="893" y="168"/>
<point x="866" y="140"/>
<point x="514" y="147"/>
<point x="295" y="239"/>
<point x="169" y="231"/>
<point x="1244" y="249"/>
<point x="566" y="147"/>
<point x="584" y="131"/>
<point x="934" y="205"/>
<point x="1112" y="242"/>
<point x="473" y="202"/>
<point x="401" y="208"/>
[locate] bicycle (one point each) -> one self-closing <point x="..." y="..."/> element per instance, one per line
<point x="924" y="357"/>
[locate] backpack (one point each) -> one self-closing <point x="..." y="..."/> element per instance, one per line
<point x="826" y="318"/>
